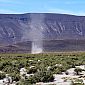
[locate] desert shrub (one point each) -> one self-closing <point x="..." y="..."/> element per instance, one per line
<point x="23" y="82"/>
<point x="77" y="84"/>
<point x="31" y="70"/>
<point x="1" y="66"/>
<point x="43" y="76"/>
<point x="10" y="69"/>
<point x="78" y="70"/>
<point x="2" y="75"/>
<point x="15" y="76"/>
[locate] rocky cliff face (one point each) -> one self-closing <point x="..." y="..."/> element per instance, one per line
<point x="65" y="26"/>
<point x="18" y="28"/>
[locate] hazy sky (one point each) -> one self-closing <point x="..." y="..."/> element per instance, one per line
<point x="52" y="6"/>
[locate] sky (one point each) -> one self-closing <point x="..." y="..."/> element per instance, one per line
<point x="75" y="7"/>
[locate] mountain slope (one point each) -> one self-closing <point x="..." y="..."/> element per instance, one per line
<point x="19" y="28"/>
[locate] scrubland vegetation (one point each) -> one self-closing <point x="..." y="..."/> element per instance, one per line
<point x="41" y="66"/>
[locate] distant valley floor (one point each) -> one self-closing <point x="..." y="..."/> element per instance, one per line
<point x="48" y="46"/>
